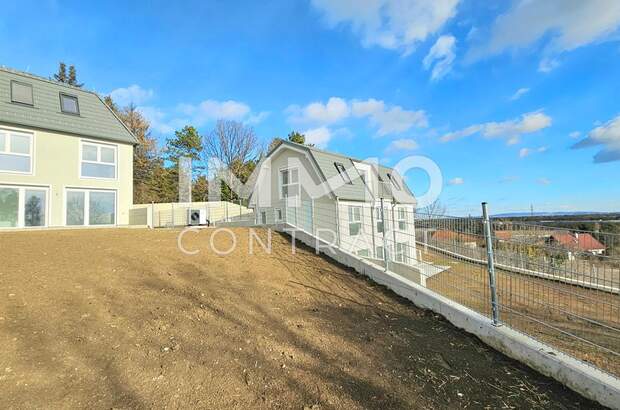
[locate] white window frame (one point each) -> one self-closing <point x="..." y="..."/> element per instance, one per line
<point x="353" y="220"/>
<point x="379" y="252"/>
<point x="379" y="220"/>
<point x="281" y="183"/>
<point x="87" y="205"/>
<point x="99" y="145"/>
<point x="278" y="214"/>
<point x="402" y="219"/>
<point x="6" y="150"/>
<point x="21" y="205"/>
<point x="401" y="252"/>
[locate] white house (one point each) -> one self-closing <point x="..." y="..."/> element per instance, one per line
<point x="338" y="199"/>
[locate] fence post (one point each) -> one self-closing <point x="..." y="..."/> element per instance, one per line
<point x="153" y="214"/>
<point x="173" y="225"/>
<point x="313" y="217"/>
<point x="226" y="210"/>
<point x="385" y="250"/>
<point x="394" y="226"/>
<point x="372" y="227"/>
<point x="491" y="263"/>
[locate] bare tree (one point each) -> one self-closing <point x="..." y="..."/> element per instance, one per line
<point x="436" y="208"/>
<point x="233" y="143"/>
<point x="236" y="146"/>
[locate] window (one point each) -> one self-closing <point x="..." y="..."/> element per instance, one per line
<point x="21" y="93"/>
<point x="289" y="183"/>
<point x="90" y="207"/>
<point x="394" y="181"/>
<point x="278" y="215"/>
<point x="98" y="161"/>
<point x="355" y="220"/>
<point x="343" y="173"/>
<point x="402" y="252"/>
<point x="22" y="206"/>
<point x="15" y="152"/>
<point x="363" y="253"/>
<point x="69" y="104"/>
<point x="379" y="220"/>
<point x="402" y="219"/>
<point x="263" y="217"/>
<point x="379" y="252"/>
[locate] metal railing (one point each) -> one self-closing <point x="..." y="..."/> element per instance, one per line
<point x="555" y="285"/>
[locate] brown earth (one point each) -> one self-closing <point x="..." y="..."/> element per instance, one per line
<point x="123" y="319"/>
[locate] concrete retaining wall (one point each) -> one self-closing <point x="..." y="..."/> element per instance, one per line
<point x="586" y="380"/>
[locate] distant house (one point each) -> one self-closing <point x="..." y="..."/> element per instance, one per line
<point x="577" y="242"/>
<point x="65" y="158"/>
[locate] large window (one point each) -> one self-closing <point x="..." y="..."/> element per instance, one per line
<point x="23" y="206"/>
<point x="355" y="220"/>
<point x="15" y="152"/>
<point x="289" y="183"/>
<point x="21" y="93"/>
<point x="97" y="160"/>
<point x="90" y="207"/>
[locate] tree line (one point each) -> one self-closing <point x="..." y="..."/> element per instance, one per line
<point x="156" y="169"/>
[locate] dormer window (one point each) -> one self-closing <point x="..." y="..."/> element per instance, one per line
<point x="394" y="181"/>
<point x="69" y="104"/>
<point x="343" y="173"/>
<point x="21" y="93"/>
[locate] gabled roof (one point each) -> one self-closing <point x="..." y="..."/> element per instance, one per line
<point x="95" y="120"/>
<point x="358" y="190"/>
<point x="578" y="241"/>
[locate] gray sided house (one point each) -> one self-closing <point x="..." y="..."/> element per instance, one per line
<point x="65" y="158"/>
<point x="337" y="198"/>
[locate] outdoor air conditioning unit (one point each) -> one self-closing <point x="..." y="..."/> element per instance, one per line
<point x="197" y="217"/>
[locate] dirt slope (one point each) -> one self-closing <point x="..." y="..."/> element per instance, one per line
<point x="123" y="319"/>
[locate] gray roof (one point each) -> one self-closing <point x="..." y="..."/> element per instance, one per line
<point x="357" y="191"/>
<point x="95" y="120"/>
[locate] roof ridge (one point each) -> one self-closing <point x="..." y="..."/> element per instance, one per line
<point x="48" y="80"/>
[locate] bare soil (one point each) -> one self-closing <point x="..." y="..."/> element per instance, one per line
<point x="121" y="318"/>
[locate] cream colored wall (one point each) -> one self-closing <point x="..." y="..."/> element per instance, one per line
<point x="56" y="164"/>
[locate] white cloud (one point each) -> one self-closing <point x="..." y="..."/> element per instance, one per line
<point x="392" y="24"/>
<point x="510" y="130"/>
<point x="606" y="135"/>
<point x="333" y="111"/>
<point x="134" y="94"/>
<point x="388" y="119"/>
<point x="456" y="181"/>
<point x="318" y="136"/>
<point x="519" y="93"/>
<point x="575" y="134"/>
<point x="525" y="152"/>
<point x="400" y="145"/>
<point x="543" y="181"/>
<point x="563" y="24"/>
<point x="442" y="56"/>
<point x="210" y="110"/>
<point x="547" y="64"/>
<point x="198" y="115"/>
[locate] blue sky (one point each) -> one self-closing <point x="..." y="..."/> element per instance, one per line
<point x="496" y="94"/>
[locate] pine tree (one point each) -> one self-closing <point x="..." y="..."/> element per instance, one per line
<point x="72" y="80"/>
<point x="61" y="76"/>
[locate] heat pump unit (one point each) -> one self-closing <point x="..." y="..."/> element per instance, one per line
<point x="197" y="217"/>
